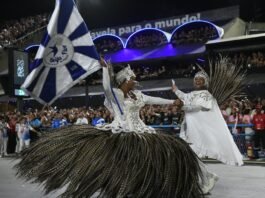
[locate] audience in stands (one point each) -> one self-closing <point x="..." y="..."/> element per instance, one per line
<point x="147" y="39"/>
<point x="250" y="60"/>
<point x="13" y="30"/>
<point x="195" y="35"/>
<point x="167" y="115"/>
<point x="152" y="73"/>
<point x="108" y="45"/>
<point x="259" y="127"/>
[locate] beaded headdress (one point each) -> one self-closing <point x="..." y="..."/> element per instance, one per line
<point x="124" y="75"/>
<point x="204" y="75"/>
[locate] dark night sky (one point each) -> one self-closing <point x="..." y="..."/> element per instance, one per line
<point x="103" y="13"/>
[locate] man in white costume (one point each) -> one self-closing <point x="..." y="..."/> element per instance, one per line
<point x="23" y="134"/>
<point x="205" y="128"/>
<point x="3" y="137"/>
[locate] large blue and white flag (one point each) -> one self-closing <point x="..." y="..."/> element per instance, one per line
<point x="66" y="55"/>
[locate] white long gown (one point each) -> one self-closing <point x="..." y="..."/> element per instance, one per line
<point x="206" y="129"/>
<point x="126" y="110"/>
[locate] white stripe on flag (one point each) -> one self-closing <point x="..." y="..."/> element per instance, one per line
<point x="63" y="78"/>
<point x="84" y="40"/>
<point x="40" y="52"/>
<point x="32" y="76"/>
<point x="39" y="85"/>
<point x="86" y="62"/>
<point x="52" y="26"/>
<point x="74" y="21"/>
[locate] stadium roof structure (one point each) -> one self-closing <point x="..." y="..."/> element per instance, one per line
<point x="239" y="43"/>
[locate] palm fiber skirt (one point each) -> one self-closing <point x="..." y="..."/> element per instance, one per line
<point x="86" y="160"/>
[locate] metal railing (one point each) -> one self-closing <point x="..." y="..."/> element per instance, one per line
<point x="243" y="141"/>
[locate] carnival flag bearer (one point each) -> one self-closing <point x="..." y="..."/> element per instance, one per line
<point x="120" y="159"/>
<point x="3" y="136"/>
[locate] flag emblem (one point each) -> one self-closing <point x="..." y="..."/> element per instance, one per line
<point x="58" y="52"/>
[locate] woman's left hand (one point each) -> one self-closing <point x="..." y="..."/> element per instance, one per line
<point x="174" y="88"/>
<point x="178" y="102"/>
<point x="103" y="62"/>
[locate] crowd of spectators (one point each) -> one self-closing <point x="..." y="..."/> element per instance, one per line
<point x="49" y="118"/>
<point x="13" y="30"/>
<point x="145" y="72"/>
<point x="147" y="39"/>
<point x="180" y="70"/>
<point x="165" y="71"/>
<point x="250" y="60"/>
<point x="108" y="45"/>
<point x="251" y="114"/>
<point x="195" y="35"/>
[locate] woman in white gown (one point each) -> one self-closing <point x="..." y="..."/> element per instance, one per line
<point x="123" y="159"/>
<point x="125" y="102"/>
<point x="205" y="129"/>
<point x="204" y="126"/>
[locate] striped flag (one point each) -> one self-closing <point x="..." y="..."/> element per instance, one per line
<point x="66" y="55"/>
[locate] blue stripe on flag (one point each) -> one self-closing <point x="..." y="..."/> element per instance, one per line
<point x="34" y="82"/>
<point x="48" y="91"/>
<point x="75" y="69"/>
<point x="36" y="63"/>
<point x="66" y="8"/>
<point x="89" y="51"/>
<point x="45" y="39"/>
<point x="79" y="31"/>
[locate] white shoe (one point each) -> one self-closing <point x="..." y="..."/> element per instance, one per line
<point x="212" y="179"/>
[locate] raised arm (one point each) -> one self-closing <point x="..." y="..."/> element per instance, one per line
<point x="156" y="100"/>
<point x="106" y="79"/>
<point x="192" y="108"/>
<point x="181" y="95"/>
<point x="113" y="98"/>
